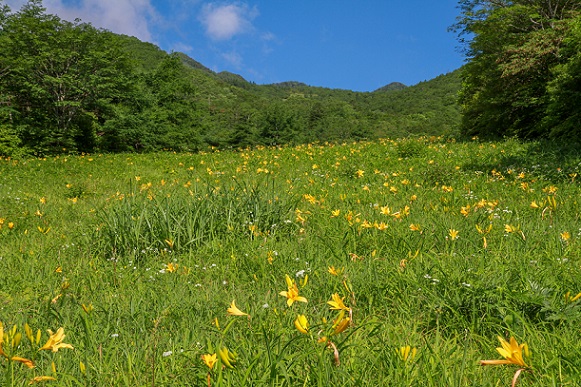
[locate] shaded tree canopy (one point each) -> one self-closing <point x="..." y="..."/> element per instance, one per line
<point x="521" y="67"/>
<point x="60" y="78"/>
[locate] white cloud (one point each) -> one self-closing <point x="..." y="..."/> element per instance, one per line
<point x="129" y="17"/>
<point x="15" y="4"/>
<point x="268" y="36"/>
<point x="182" y="47"/>
<point x="223" y="22"/>
<point x="233" y="58"/>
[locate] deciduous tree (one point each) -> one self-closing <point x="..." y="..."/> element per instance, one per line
<point x="61" y="77"/>
<point x="513" y="48"/>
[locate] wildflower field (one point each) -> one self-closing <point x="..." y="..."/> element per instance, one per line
<point x="392" y="263"/>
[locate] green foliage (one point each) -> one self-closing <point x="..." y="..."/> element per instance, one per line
<point x="145" y="223"/>
<point x="428" y="108"/>
<point x="74" y="88"/>
<point x="564" y="108"/>
<point x="145" y="56"/>
<point x="392" y="87"/>
<point x="517" y="49"/>
<point x="9" y="142"/>
<point x="61" y="77"/>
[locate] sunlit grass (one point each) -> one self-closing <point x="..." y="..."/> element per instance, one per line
<point x="404" y="261"/>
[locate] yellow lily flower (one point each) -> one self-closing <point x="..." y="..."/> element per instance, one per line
<point x="337" y="303"/>
<point x="292" y="294"/>
<point x="385" y="210"/>
<point x="38" y="379"/>
<point x="55" y="341"/>
<point x="406" y="353"/>
<point x="302" y="324"/>
<point x="209" y="360"/>
<point x="512" y="353"/>
<point x="453" y="234"/>
<point x="333" y="271"/>
<point x="234" y="311"/>
<point x="27" y="362"/>
<point x="341" y="325"/>
<point x="508" y="228"/>
<point x="2" y="340"/>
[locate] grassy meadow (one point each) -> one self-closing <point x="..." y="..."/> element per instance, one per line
<point x="400" y="263"/>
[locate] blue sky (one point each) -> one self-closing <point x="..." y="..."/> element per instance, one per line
<point x="359" y="45"/>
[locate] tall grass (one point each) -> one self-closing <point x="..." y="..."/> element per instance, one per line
<point x="147" y="221"/>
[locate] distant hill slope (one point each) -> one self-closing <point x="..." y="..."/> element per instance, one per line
<point x="391" y="87"/>
<point x="429" y="107"/>
<point x="146" y="56"/>
<point x="394" y="110"/>
<point x="193" y="63"/>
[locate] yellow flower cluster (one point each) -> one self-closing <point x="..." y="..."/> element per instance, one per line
<point x="11" y="340"/>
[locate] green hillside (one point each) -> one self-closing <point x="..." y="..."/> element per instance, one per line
<point x="116" y="93"/>
<point x="392" y="86"/>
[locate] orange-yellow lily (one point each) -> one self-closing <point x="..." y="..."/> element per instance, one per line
<point x="292" y="294"/>
<point x="337" y="303"/>
<point x="55" y="341"/>
<point x="209" y="360"/>
<point x="406" y="353"/>
<point x="302" y="324"/>
<point x="27" y="362"/>
<point x="334" y="271"/>
<point x="341" y="323"/>
<point x="234" y="311"/>
<point x="512" y="353"/>
<point x="39" y="379"/>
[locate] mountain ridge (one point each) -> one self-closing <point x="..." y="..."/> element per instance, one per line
<point x="239" y="80"/>
<point x="395" y="109"/>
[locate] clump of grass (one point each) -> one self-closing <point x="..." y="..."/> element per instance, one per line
<point x="411" y="148"/>
<point x="145" y="222"/>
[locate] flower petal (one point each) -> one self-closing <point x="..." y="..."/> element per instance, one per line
<point x="494" y="362"/>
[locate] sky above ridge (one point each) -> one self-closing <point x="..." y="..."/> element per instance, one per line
<point x="358" y="45"/>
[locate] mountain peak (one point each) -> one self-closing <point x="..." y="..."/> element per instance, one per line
<point x="392" y="87"/>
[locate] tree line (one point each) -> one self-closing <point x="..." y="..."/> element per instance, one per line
<point x="70" y="87"/>
<point x="523" y="75"/>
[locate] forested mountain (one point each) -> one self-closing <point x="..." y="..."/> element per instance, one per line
<point x="69" y="87"/>
<point x="392" y="86"/>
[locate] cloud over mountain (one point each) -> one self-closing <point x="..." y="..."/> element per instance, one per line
<point x="223" y="22"/>
<point x="129" y="17"/>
